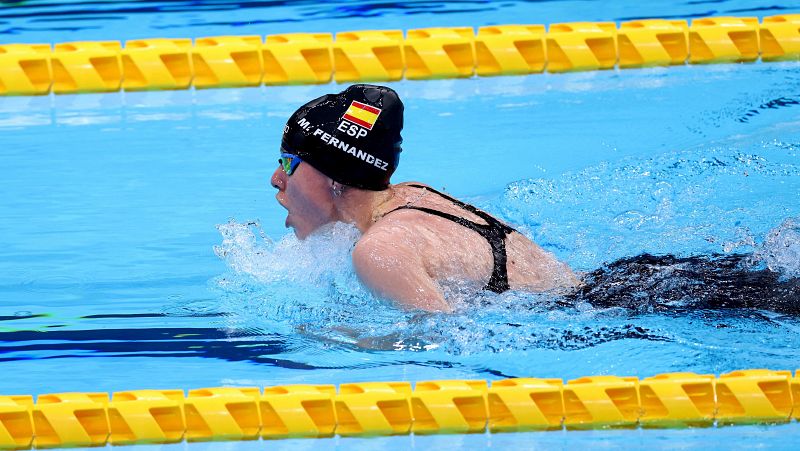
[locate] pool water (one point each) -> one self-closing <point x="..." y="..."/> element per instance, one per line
<point x="141" y="246"/>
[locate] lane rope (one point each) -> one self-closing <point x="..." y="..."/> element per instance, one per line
<point x="391" y="55"/>
<point x="757" y="396"/>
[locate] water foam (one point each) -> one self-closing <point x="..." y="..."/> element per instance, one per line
<point x="780" y="250"/>
<point x="307" y="286"/>
<point x="323" y="257"/>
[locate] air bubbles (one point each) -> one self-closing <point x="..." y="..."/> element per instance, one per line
<point x="632" y="219"/>
<point x="662" y="191"/>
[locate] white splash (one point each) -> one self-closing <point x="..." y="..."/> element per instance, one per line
<point x="781" y="249"/>
<point x="319" y="258"/>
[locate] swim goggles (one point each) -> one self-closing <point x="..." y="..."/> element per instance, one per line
<point x="289" y="162"/>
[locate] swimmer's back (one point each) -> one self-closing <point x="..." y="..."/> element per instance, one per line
<point x="452" y="252"/>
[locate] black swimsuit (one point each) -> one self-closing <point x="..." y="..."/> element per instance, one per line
<point x="493" y="231"/>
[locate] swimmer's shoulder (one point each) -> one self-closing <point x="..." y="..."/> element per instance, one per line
<point x="408" y="186"/>
<point x="395" y="225"/>
<point x="396" y="272"/>
<point x="396" y="213"/>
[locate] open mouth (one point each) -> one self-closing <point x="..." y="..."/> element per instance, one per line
<point x="288" y="214"/>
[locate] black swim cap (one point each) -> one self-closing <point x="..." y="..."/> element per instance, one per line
<point x="352" y="137"/>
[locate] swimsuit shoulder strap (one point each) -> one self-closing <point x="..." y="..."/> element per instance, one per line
<point x="457" y="219"/>
<point x="491" y="220"/>
<point x="494" y="232"/>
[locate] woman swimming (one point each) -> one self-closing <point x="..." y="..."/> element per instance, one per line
<point x="337" y="156"/>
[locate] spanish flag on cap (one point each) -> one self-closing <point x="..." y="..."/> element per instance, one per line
<point x="362" y="114"/>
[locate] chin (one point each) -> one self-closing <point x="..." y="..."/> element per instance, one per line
<point x="300" y="233"/>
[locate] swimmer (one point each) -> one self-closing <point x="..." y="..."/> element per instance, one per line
<point x="337" y="156"/>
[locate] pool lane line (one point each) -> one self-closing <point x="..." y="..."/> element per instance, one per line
<point x="671" y="400"/>
<point x="391" y="55"/>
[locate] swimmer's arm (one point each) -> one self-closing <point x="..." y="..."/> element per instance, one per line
<point x="396" y="273"/>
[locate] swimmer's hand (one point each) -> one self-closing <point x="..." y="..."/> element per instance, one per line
<point x="396" y="273"/>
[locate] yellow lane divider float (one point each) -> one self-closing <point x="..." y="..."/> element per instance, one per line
<point x="385" y="55"/>
<point x="393" y="408"/>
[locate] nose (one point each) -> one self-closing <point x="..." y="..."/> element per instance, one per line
<point x="278" y="179"/>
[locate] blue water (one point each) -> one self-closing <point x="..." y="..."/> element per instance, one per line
<point x="141" y="246"/>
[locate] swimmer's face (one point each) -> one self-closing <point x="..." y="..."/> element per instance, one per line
<point x="307" y="197"/>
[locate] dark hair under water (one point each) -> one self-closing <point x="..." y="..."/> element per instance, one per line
<point x="668" y="283"/>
